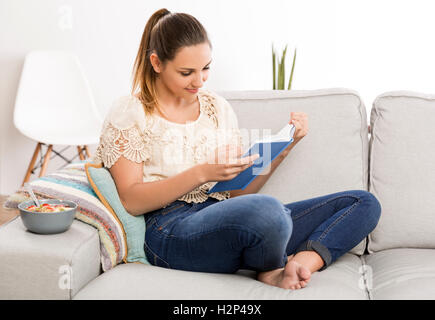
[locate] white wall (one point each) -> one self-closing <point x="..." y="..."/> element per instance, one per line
<point x="368" y="46"/>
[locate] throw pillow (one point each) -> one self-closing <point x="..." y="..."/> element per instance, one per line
<point x="71" y="183"/>
<point x="133" y="226"/>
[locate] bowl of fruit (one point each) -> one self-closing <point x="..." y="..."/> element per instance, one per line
<point x="49" y="217"/>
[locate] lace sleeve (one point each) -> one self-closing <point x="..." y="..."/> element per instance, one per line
<point x="124" y="134"/>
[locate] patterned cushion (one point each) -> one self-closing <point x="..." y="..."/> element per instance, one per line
<point x="134" y="226"/>
<point x="71" y="183"/>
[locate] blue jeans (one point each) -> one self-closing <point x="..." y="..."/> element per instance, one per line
<point x="256" y="231"/>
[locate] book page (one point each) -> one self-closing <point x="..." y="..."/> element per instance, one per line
<point x="285" y="134"/>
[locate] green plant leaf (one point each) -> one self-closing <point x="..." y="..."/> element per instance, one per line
<point x="274" y="67"/>
<point x="283" y="68"/>
<point x="291" y="73"/>
<point x="278" y="69"/>
<point x="280" y="76"/>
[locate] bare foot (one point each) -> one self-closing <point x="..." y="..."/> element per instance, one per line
<point x="296" y="275"/>
<point x="292" y="276"/>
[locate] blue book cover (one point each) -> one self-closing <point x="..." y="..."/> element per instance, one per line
<point x="268" y="149"/>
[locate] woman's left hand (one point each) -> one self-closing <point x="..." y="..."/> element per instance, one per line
<point x="300" y="121"/>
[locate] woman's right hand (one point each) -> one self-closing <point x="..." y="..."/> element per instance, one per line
<point x="225" y="163"/>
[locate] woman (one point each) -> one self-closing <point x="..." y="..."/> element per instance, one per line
<point x="169" y="140"/>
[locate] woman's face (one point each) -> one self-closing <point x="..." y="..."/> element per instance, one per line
<point x="188" y="70"/>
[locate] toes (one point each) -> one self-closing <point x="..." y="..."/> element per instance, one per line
<point x="300" y="285"/>
<point x="295" y="287"/>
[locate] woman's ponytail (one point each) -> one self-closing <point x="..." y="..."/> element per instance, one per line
<point x="142" y="64"/>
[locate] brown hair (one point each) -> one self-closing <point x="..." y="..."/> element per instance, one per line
<point x="165" y="33"/>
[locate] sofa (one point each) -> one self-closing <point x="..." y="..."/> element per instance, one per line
<point x="393" y="158"/>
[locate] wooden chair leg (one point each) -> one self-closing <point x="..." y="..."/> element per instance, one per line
<point x="79" y="150"/>
<point x="88" y="154"/>
<point x="46" y="158"/>
<point x="32" y="163"/>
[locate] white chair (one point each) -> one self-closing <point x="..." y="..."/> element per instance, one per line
<point x="55" y="106"/>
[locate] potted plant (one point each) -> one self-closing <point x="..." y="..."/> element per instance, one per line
<point x="278" y="70"/>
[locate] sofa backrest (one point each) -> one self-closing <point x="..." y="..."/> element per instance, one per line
<point x="402" y="170"/>
<point x="332" y="157"/>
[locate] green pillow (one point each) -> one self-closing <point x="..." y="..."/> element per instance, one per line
<point x="134" y="226"/>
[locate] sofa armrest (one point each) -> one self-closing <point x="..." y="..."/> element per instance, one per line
<point x="34" y="266"/>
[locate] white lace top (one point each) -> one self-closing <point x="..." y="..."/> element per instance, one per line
<point x="167" y="148"/>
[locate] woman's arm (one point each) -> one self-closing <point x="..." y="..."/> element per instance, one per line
<point x="139" y="198"/>
<point x="261" y="179"/>
<point x="300" y="121"/>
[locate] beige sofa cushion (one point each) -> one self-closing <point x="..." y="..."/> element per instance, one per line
<point x="332" y="157"/>
<point x="402" y="174"/>
<point x="342" y="280"/>
<point x="402" y="273"/>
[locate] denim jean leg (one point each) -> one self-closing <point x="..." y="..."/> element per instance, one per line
<point x="332" y="225"/>
<point x="249" y="232"/>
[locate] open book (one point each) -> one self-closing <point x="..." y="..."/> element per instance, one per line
<point x="268" y="148"/>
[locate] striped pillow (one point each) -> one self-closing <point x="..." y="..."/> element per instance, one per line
<point x="71" y="183"/>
